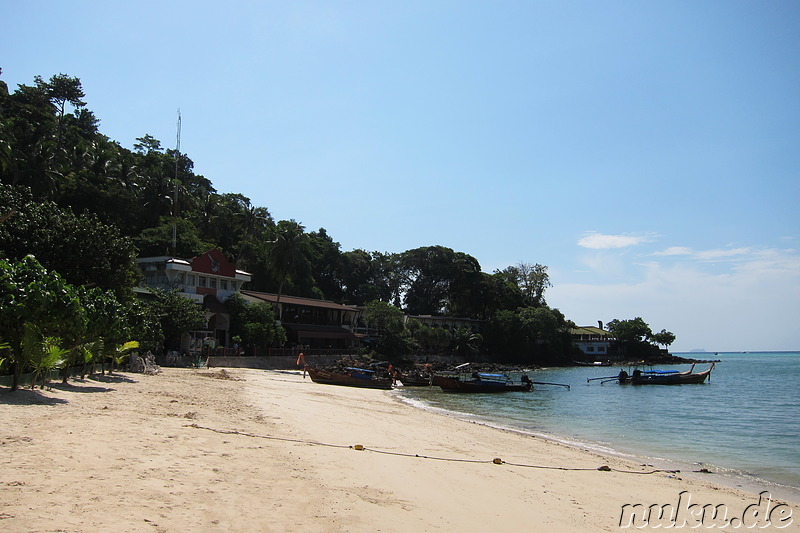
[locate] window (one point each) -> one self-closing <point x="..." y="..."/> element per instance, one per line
<point x="191" y="280"/>
<point x="201" y="281"/>
<point x="212" y="282"/>
<point x="233" y="286"/>
<point x="223" y="284"/>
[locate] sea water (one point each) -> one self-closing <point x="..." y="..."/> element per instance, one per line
<point x="743" y="424"/>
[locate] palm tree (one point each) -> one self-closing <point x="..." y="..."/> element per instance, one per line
<point x="286" y="255"/>
<point x="465" y="342"/>
<point x="42" y="353"/>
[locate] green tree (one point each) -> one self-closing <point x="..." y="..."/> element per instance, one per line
<point x="288" y="255"/>
<point x="32" y="295"/>
<point x="531" y="335"/>
<point x="466" y="343"/>
<point x="430" y="339"/>
<point x="532" y="281"/>
<point x="254" y="323"/>
<point x="633" y="336"/>
<point x="325" y="259"/>
<point x="259" y="329"/>
<point x="663" y="338"/>
<point x="176" y="315"/>
<point x="357" y="278"/>
<point x="629" y="331"/>
<point x="81" y="249"/>
<point x="62" y="90"/>
<point x="437" y="279"/>
<point x="498" y="294"/>
<point x="42" y="353"/>
<point x="394" y="341"/>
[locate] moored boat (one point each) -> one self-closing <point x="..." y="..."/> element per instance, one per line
<point x="414" y="380"/>
<point x="659" y="377"/>
<point x="355" y="377"/>
<point x="591" y="363"/>
<point x="670" y="378"/>
<point x="479" y="382"/>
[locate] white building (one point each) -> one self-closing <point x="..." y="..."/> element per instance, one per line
<point x="207" y="279"/>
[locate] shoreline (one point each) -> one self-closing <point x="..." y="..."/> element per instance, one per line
<point x="236" y="449"/>
<point x="722" y="475"/>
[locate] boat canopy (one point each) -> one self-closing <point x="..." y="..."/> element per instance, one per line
<point x="364" y="370"/>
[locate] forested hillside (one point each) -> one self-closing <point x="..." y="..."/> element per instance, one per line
<point x="86" y="206"/>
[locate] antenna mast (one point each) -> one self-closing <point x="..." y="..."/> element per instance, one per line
<point x="175" y="193"/>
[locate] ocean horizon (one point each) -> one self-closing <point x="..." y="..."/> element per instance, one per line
<point x="742" y="425"/>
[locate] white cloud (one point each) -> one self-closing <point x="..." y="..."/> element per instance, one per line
<point x="599" y="241"/>
<point x="717" y="255"/>
<point x="675" y="250"/>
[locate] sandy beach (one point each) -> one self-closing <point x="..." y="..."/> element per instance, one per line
<point x="254" y="450"/>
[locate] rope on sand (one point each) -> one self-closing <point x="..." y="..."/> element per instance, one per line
<point x="496" y="460"/>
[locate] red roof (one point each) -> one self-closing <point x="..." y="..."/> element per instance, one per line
<point x="213" y="262"/>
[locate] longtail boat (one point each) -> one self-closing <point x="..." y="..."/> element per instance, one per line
<point x="355" y="377"/>
<point x="659" y="377"/>
<point x="414" y="380"/>
<point x="673" y="378"/>
<point x="483" y="383"/>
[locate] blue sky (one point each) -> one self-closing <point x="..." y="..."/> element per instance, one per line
<point x="646" y="152"/>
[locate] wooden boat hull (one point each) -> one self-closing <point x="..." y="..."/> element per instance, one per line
<point x="478" y="386"/>
<point x="414" y="381"/>
<point x="674" y="379"/>
<point x="331" y="378"/>
<point x="681" y="378"/>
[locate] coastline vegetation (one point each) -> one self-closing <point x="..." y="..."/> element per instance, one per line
<point x="77" y="209"/>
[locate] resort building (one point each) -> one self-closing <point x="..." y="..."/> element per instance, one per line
<point x="595" y="342"/>
<point x="314" y="325"/>
<point x="447" y="322"/>
<point x="207" y="279"/>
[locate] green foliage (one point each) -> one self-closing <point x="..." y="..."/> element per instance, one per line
<point x="157" y="240"/>
<point x="663" y="338"/>
<point x="3" y="347"/>
<point x="357" y="275"/>
<point x="537" y="335"/>
<point x="80" y="202"/>
<point x="81" y="249"/>
<point x="287" y="256"/>
<point x="42" y="353"/>
<point x="532" y="281"/>
<point x="466" y="343"/>
<point x="395" y="341"/>
<point x="253" y="324"/>
<point x="629" y="331"/>
<point x="32" y="295"/>
<point x="430" y="339"/>
<point x="176" y="316"/>
<point x="437" y="281"/>
<point x="635" y="337"/>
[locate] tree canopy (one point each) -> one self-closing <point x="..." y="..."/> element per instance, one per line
<point x="86" y="207"/>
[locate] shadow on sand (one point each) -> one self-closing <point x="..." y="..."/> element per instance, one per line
<point x="25" y="396"/>
<point x="109" y="378"/>
<point x="28" y="397"/>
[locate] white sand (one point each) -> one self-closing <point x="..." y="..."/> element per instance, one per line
<point x="151" y="453"/>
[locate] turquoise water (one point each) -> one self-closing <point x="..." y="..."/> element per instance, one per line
<point x="744" y="423"/>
